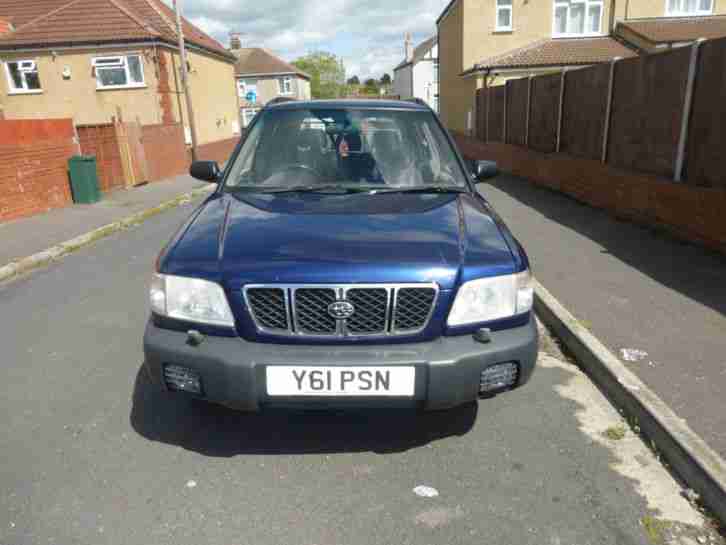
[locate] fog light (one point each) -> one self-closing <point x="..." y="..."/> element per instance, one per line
<point x="182" y="379"/>
<point x="498" y="377"/>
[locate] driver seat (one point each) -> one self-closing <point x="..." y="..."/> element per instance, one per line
<point x="310" y="149"/>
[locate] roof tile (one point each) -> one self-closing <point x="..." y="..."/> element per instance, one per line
<point x="50" y="22"/>
<point x="679" y="29"/>
<point x="558" y="52"/>
<point x="256" y="60"/>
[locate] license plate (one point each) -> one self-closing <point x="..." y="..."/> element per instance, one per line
<point x="294" y="381"/>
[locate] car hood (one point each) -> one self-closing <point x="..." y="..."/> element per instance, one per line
<point x="359" y="238"/>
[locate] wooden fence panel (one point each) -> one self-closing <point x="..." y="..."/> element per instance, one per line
<point x="517" y="111"/>
<point x="481" y="113"/>
<point x="647" y="107"/>
<point x="583" y="121"/>
<point x="544" y="113"/>
<point x="707" y="135"/>
<point x="496" y="114"/>
<point x="101" y="141"/>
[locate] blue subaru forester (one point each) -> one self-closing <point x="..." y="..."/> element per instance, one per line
<point x="344" y="260"/>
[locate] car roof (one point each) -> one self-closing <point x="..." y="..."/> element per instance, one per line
<point x="376" y="104"/>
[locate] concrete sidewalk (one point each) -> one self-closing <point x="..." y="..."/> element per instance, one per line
<point x="659" y="304"/>
<point x="27" y="236"/>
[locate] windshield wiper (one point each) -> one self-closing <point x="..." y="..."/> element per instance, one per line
<point x="421" y="189"/>
<point x="329" y="188"/>
<point x="320" y="188"/>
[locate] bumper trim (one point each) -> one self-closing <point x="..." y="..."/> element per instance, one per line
<point x="448" y="368"/>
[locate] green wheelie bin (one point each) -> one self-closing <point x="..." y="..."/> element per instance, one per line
<point x="84" y="180"/>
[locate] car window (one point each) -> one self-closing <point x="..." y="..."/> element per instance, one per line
<point x="347" y="147"/>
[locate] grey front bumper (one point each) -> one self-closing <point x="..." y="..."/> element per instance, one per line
<point x="447" y="369"/>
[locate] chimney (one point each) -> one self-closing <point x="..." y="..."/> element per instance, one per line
<point x="235" y="40"/>
<point x="408" y="47"/>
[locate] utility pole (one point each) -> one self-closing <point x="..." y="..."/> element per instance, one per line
<point x="185" y="78"/>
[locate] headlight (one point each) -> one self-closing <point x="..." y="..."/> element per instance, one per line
<point x="493" y="298"/>
<point x="190" y="299"/>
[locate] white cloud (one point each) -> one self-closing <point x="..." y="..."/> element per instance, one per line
<point x="368" y="34"/>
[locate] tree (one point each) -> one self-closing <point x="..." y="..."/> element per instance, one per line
<point x="370" y="87"/>
<point x="327" y="74"/>
<point x="386" y="79"/>
<point x="355" y="80"/>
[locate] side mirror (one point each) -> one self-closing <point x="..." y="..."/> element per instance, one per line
<point x="483" y="170"/>
<point x="207" y="171"/>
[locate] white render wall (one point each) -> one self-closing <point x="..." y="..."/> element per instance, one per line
<point x="419" y="80"/>
<point x="425" y="85"/>
<point x="402" y="84"/>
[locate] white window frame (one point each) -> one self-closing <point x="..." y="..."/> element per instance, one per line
<point x="121" y="61"/>
<point x="283" y="83"/>
<point x="682" y="13"/>
<point x="508" y="8"/>
<point x="30" y="66"/>
<point x="587" y="4"/>
<point x="245" y="112"/>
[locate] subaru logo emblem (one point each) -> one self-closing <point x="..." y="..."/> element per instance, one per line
<point x="340" y="310"/>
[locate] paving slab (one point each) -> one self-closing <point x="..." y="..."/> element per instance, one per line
<point x="26" y="236"/>
<point x="656" y="302"/>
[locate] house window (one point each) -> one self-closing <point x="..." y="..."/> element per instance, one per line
<point x="119" y="72"/>
<point x="248" y="114"/>
<point x="247" y="86"/>
<point x="436" y="71"/>
<point x="504" y="15"/>
<point x="689" y="7"/>
<point x="577" y="17"/>
<point x="23" y="77"/>
<point x="285" y="85"/>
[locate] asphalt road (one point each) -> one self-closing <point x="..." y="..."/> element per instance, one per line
<point x="635" y="290"/>
<point x="90" y="455"/>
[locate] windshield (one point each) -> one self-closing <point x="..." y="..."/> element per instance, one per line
<point x="365" y="149"/>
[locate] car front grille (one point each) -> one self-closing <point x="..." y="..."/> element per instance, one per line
<point x="378" y="309"/>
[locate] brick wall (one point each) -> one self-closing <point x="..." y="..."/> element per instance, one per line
<point x="34" y="166"/>
<point x="688" y="212"/>
<point x="100" y="140"/>
<point x="166" y="153"/>
<point x="217" y="151"/>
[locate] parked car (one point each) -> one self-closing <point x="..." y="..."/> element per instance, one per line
<point x="345" y="259"/>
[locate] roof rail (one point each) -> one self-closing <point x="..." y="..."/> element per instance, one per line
<point x="419" y="101"/>
<point x="279" y="100"/>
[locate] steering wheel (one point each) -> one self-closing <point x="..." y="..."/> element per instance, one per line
<point x="306" y="168"/>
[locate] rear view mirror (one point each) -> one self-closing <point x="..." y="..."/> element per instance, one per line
<point x="483" y="170"/>
<point x="207" y="171"/>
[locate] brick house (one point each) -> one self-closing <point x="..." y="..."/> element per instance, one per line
<point x="95" y="60"/>
<point x="485" y="42"/>
<point x="262" y="76"/>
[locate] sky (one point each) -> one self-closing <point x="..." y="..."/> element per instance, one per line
<point x="367" y="34"/>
